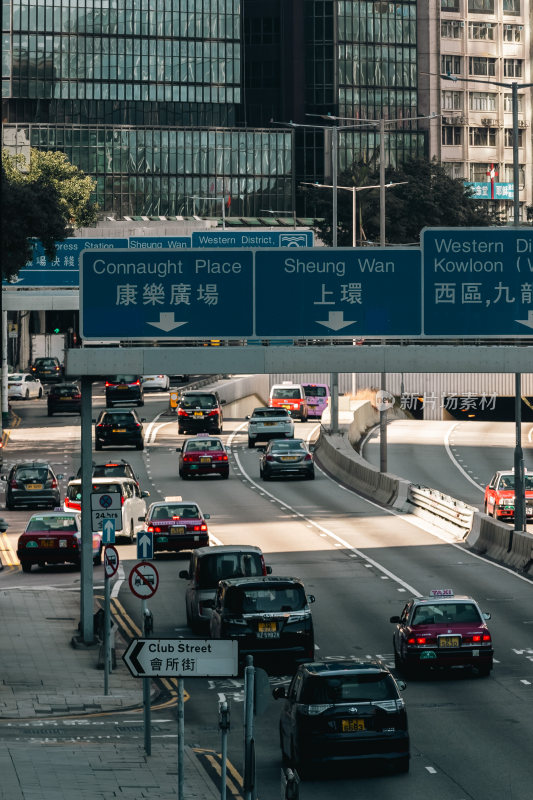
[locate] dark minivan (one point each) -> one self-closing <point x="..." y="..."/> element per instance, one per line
<point x="118" y="427"/>
<point x="200" y="412"/>
<point x="32" y="483"/>
<point x="64" y="397"/>
<point x="124" y="389"/>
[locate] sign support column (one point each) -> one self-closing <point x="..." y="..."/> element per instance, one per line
<point x="334" y="381"/>
<point x="146" y="692"/>
<point x="519" y="488"/>
<point x="181" y="737"/>
<point x="86" y="595"/>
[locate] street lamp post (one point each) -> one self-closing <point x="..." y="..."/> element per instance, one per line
<point x="353" y="190"/>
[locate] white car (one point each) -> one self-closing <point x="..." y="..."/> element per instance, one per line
<point x="22" y="386"/>
<point x="132" y="501"/>
<point x="160" y="383"/>
<point x="269" y="423"/>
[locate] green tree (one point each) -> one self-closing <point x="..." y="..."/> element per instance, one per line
<point x="42" y="200"/>
<point x="429" y="198"/>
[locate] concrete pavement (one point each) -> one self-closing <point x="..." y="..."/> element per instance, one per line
<point x="43" y="679"/>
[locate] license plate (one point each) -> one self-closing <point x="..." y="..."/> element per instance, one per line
<point x="288" y="407"/>
<point x="205" y="460"/>
<point x="46" y="542"/>
<point x="123" y="387"/>
<point x="197" y="414"/>
<point x="119" y="430"/>
<point x="266" y="626"/>
<point x="350" y="725"/>
<point x="449" y="641"/>
<point x="65" y="398"/>
<point x="289" y="458"/>
<point x="34" y="486"/>
<point x="177" y="529"/>
<point x="267" y="635"/>
<point x="269" y="423"/>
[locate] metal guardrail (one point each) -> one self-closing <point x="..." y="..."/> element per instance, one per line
<point x="441" y="505"/>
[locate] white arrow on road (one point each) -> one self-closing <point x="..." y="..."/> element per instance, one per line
<point x="166" y="322"/>
<point x="336" y="321"/>
<point x="145" y="544"/>
<point x="527" y="322"/>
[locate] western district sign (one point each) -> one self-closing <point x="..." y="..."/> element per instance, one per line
<point x="462" y="282"/>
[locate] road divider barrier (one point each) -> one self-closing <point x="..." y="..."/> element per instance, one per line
<point x="240" y="395"/>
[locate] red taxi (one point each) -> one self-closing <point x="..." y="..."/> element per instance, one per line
<point x="54" y="538"/>
<point x="177" y="526"/>
<point x="203" y="455"/>
<point x="442" y="630"/>
<point x="500" y="496"/>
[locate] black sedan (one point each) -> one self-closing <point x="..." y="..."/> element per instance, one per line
<point x="64" y="397"/>
<point x="285" y="458"/>
<point x="118" y="427"/>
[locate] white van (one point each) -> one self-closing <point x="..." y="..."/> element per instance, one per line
<point x="290" y="396"/>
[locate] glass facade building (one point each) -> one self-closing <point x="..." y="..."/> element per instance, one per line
<point x="167" y="101"/>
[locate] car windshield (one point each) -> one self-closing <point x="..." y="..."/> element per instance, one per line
<point x="287" y="446"/>
<point x="216" y="567"/>
<point x="52" y="524"/>
<point x="276" y="598"/>
<point x="444" y="613"/>
<point x="45" y="362"/>
<point x="198" y="401"/>
<point x="66" y="391"/>
<point x="176" y="512"/>
<point x="125" y="418"/>
<point x="202" y="445"/>
<point x="507" y="482"/>
<point x="39" y="474"/>
<point x="286" y="394"/>
<point x="261" y="413"/>
<point x="315" y="391"/>
<point x="124" y="379"/>
<point x="74" y="490"/>
<point x="110" y="471"/>
<point x="16" y="377"/>
<point x="348" y="688"/>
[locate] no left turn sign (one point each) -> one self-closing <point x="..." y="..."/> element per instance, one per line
<point x="111" y="560"/>
<point x="144" y="579"/>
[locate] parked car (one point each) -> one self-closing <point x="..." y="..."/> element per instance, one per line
<point x="290" y="396"/>
<point x="54" y="539"/>
<point x="132" y="501"/>
<point x="200" y="411"/>
<point x="118" y="427"/>
<point x="267" y="616"/>
<point x="124" y="389"/>
<point x="500" y="495"/>
<point x="269" y="423"/>
<point x="47" y="369"/>
<point x="286" y="458"/>
<point x="153" y="383"/>
<point x="343" y="711"/>
<point x="64" y="397"/>
<point x="177" y="525"/>
<point x="32" y="483"/>
<point x="203" y="455"/>
<point x="22" y="386"/>
<point x="208" y="566"/>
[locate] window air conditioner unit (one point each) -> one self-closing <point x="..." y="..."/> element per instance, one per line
<point x="487" y="121"/>
<point x="522" y="123"/>
<point x="520" y="27"/>
<point x="461" y="24"/>
<point x="508" y="27"/>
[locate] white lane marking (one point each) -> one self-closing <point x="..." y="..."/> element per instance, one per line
<point x="414" y="522"/>
<point x="121" y="576"/>
<point x="526" y="683"/>
<point x="151" y="425"/>
<point x="530" y="435"/>
<point x="432" y="770"/>
<point x="455" y="461"/>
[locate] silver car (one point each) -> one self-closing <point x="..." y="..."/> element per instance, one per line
<point x="269" y="423"/>
<point x="208" y="566"/>
<point x="281" y="459"/>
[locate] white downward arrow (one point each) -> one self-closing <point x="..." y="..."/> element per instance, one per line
<point x="336" y="321"/>
<point x="166" y="321"/>
<point x="527" y="322"/>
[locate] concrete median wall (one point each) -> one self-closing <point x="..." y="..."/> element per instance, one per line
<point x="492" y="538"/>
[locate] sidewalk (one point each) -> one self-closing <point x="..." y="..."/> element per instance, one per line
<point x="43" y="676"/>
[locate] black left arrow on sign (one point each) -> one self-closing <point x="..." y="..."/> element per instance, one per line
<point x="131" y="659"/>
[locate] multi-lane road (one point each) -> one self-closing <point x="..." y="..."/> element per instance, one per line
<point x="471" y="738"/>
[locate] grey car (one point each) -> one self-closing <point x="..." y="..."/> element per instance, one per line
<point x="208" y="566"/>
<point x="284" y="458"/>
<point x="269" y="423"/>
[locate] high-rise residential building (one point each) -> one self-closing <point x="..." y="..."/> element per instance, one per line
<point x="174" y="105"/>
<point x="474" y="51"/>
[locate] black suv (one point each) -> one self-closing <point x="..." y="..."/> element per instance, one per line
<point x="124" y="389"/>
<point x="64" y="397"/>
<point x="113" y="469"/>
<point x="47" y="369"/>
<point x="342" y="711"/>
<point x="200" y="411"/>
<point x="119" y="427"/>
<point x="32" y="483"/>
<point x="269" y="615"/>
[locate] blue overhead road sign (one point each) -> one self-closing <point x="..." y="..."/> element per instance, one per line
<point x="130" y="294"/>
<point x="478" y="282"/>
<point x="342" y="292"/>
<point x="265" y="238"/>
<point x="158" y="242"/>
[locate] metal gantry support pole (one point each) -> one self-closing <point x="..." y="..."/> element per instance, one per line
<point x="334" y="383"/>
<point x="516" y="172"/>
<point x="383" y="429"/>
<point x="519" y="471"/>
<point x="334" y="166"/>
<point x="86" y="594"/>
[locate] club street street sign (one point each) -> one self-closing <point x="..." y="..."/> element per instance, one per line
<point x="345" y="291"/>
<point x="177" y="658"/>
<point x="144" y="579"/>
<point x="166" y="294"/>
<point x="478" y="282"/>
<point x="104" y="506"/>
<point x="108" y="531"/>
<point x="145" y="544"/>
<point x="264" y="238"/>
<point x="111" y="560"/>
